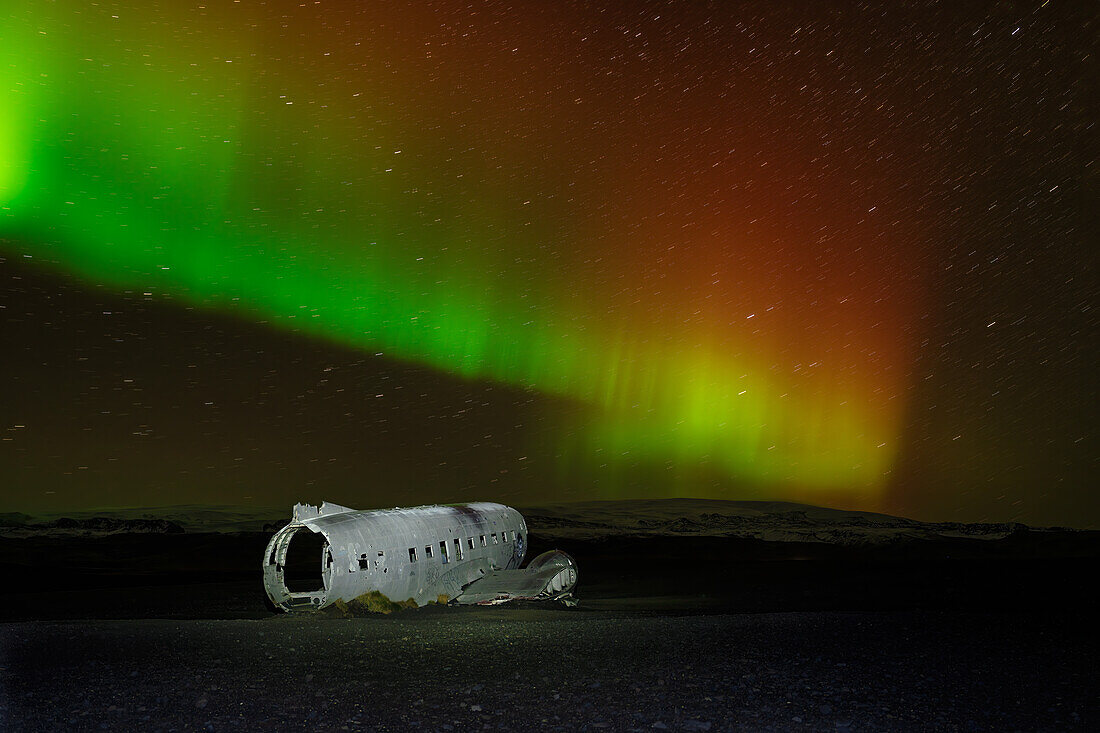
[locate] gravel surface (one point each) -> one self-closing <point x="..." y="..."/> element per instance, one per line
<point x="549" y="669"/>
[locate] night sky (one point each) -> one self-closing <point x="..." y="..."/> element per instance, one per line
<point x="388" y="253"/>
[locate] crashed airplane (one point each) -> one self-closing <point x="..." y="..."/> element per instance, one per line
<point x="458" y="553"/>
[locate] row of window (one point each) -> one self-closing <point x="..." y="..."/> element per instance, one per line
<point x="444" y="550"/>
<point x="445" y="553"/>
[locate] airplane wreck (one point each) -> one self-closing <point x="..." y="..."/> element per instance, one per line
<point x="462" y="553"/>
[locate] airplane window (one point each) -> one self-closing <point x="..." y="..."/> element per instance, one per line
<point x="495" y="540"/>
<point x="458" y="549"/>
<point x="483" y="542"/>
<point x="470" y="542"/>
<point x="428" y="550"/>
<point x="443" y="550"/>
<point x="412" y="554"/>
<point x="504" y="536"/>
<point x="364" y="563"/>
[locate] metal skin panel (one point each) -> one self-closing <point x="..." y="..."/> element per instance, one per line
<point x="551" y="575"/>
<point x="355" y="539"/>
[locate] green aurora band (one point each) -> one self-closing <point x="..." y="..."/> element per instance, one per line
<point x="132" y="154"/>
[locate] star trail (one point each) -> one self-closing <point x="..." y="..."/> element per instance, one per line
<point x="668" y="248"/>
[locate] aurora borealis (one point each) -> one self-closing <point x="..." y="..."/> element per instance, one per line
<point x="708" y="241"/>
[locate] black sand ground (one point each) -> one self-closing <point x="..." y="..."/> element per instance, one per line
<point x="170" y="632"/>
<point x="519" y="669"/>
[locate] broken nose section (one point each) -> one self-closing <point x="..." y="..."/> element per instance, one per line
<point x="292" y="576"/>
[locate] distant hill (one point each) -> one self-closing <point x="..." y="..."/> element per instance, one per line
<point x="116" y="520"/>
<point x="773" y="521"/>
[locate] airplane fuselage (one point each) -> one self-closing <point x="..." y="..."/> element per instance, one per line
<point x="425" y="553"/>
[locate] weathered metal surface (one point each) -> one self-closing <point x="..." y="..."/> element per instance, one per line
<point x="550" y="576"/>
<point x="420" y="553"/>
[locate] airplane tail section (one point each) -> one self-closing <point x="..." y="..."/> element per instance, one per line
<point x="550" y="576"/>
